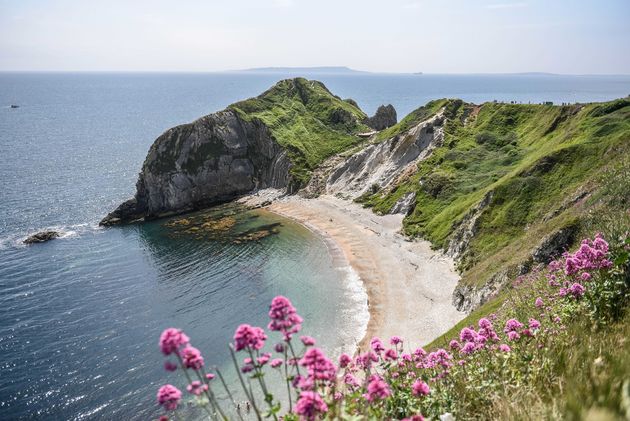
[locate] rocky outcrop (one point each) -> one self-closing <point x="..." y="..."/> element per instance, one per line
<point x="41" y="237"/>
<point x="405" y="204"/>
<point x="385" y="117"/>
<point x="466" y="229"/>
<point x="214" y="159"/>
<point x="378" y="166"/>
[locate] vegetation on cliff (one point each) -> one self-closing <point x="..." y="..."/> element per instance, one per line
<point x="308" y="120"/>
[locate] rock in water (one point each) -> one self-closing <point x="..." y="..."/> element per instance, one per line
<point x="41" y="237"/>
<point x="385" y="117"/>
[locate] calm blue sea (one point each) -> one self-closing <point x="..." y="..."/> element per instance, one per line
<point x="80" y="316"/>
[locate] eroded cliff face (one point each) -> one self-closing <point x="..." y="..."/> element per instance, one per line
<point x="378" y="166"/>
<point x="214" y="159"/>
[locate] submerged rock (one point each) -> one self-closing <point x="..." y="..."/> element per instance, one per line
<point x="42" y="237"/>
<point x="385" y="117"/>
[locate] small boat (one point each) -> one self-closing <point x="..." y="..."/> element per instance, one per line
<point x="15" y="106"/>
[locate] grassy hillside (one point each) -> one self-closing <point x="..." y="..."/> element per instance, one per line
<point x="308" y="120"/>
<point x="539" y="166"/>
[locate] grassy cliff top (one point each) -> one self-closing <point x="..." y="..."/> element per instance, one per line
<point x="540" y="167"/>
<point x="307" y="119"/>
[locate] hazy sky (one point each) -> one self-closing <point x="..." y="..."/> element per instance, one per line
<point x="432" y="36"/>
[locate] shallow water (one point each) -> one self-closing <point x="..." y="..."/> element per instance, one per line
<point x="80" y="316"/>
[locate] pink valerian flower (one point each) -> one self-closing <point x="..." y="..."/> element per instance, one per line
<point x="169" y="397"/>
<point x="504" y="348"/>
<point x="191" y="358"/>
<point x="209" y="376"/>
<point x="533" y="324"/>
<point x="585" y="276"/>
<point x="318" y="365"/>
<point x="419" y="352"/>
<point x="344" y="360"/>
<point x="563" y="292"/>
<point x="391" y="354"/>
<point x="279" y="348"/>
<point x="513" y="335"/>
<point x="196" y="387"/>
<point x="377" y="388"/>
<point x="377" y="345"/>
<point x="276" y="362"/>
<point x="284" y="317"/>
<point x="539" y="302"/>
<point x="438" y="358"/>
<point x="247" y="368"/>
<point x="351" y="381"/>
<point x="263" y="359"/>
<point x="303" y="383"/>
<point x="467" y="335"/>
<point x="512" y="325"/>
<point x="171" y="340"/>
<point x="577" y="290"/>
<point x="310" y="405"/>
<point x="454" y="345"/>
<point x="406" y="357"/>
<point x="468" y="348"/>
<point x="365" y="360"/>
<point x="247" y="336"/>
<point x="395" y="340"/>
<point x="170" y="366"/>
<point x="307" y="340"/>
<point x="420" y="388"/>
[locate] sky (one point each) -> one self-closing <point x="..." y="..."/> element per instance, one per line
<point x="431" y="36"/>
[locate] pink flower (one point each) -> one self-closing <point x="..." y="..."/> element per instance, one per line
<point x="196" y="387"/>
<point x="485" y="324"/>
<point x="534" y="324"/>
<point x="279" y="348"/>
<point x="539" y="302"/>
<point x="395" y="340"/>
<point x="391" y="354"/>
<point x="577" y="290"/>
<point x="417" y="417"/>
<point x="512" y="325"/>
<point x="420" y="388"/>
<point x="467" y="334"/>
<point x="284" y="317"/>
<point x="247" y="336"/>
<point x="192" y="358"/>
<point x="263" y="359"/>
<point x="209" y="376"/>
<point x="307" y="340"/>
<point x="585" y="276"/>
<point x="171" y="340"/>
<point x="377" y="388"/>
<point x="504" y="348"/>
<point x="350" y="380"/>
<point x="310" y="405"/>
<point x="468" y="348"/>
<point x="247" y="368"/>
<point x="344" y="360"/>
<point x="454" y="345"/>
<point x="318" y="365"/>
<point x="377" y="345"/>
<point x="276" y="362"/>
<point x="169" y="366"/>
<point x="513" y="336"/>
<point x="169" y="397"/>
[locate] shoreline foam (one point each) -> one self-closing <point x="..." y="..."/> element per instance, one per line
<point x="408" y="285"/>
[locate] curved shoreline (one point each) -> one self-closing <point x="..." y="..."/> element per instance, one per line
<point x="409" y="286"/>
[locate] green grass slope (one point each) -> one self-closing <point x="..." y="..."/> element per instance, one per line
<point x="307" y="119"/>
<point x="541" y="166"/>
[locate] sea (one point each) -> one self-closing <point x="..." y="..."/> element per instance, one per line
<point x="80" y="316"/>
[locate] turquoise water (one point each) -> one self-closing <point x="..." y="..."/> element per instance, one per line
<point x="80" y="316"/>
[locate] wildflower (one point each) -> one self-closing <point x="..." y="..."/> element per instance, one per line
<point x="577" y="290"/>
<point x="170" y="366"/>
<point x="279" y="348"/>
<point x="454" y="345"/>
<point x="539" y="302"/>
<point x="276" y="362"/>
<point x="284" y="317"/>
<point x="467" y="334"/>
<point x="192" y="358"/>
<point x="513" y="336"/>
<point x="338" y="396"/>
<point x="171" y="340"/>
<point x="468" y="348"/>
<point x="350" y="380"/>
<point x="504" y="348"/>
<point x="406" y="357"/>
<point x="419" y="352"/>
<point x="247" y="336"/>
<point x="377" y="388"/>
<point x="344" y="360"/>
<point x="585" y="276"/>
<point x="563" y="292"/>
<point x="485" y="324"/>
<point x="163" y="418"/>
<point x="395" y="340"/>
<point x="307" y="340"/>
<point x="512" y="325"/>
<point x="417" y="417"/>
<point x="169" y="397"/>
<point x="209" y="376"/>
<point x="527" y="332"/>
<point x="247" y="368"/>
<point x="533" y="324"/>
<point x="377" y="345"/>
<point x="391" y="354"/>
<point x="310" y="405"/>
<point x="263" y="359"/>
<point x="196" y="387"/>
<point x="420" y="388"/>
<point x="318" y="365"/>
